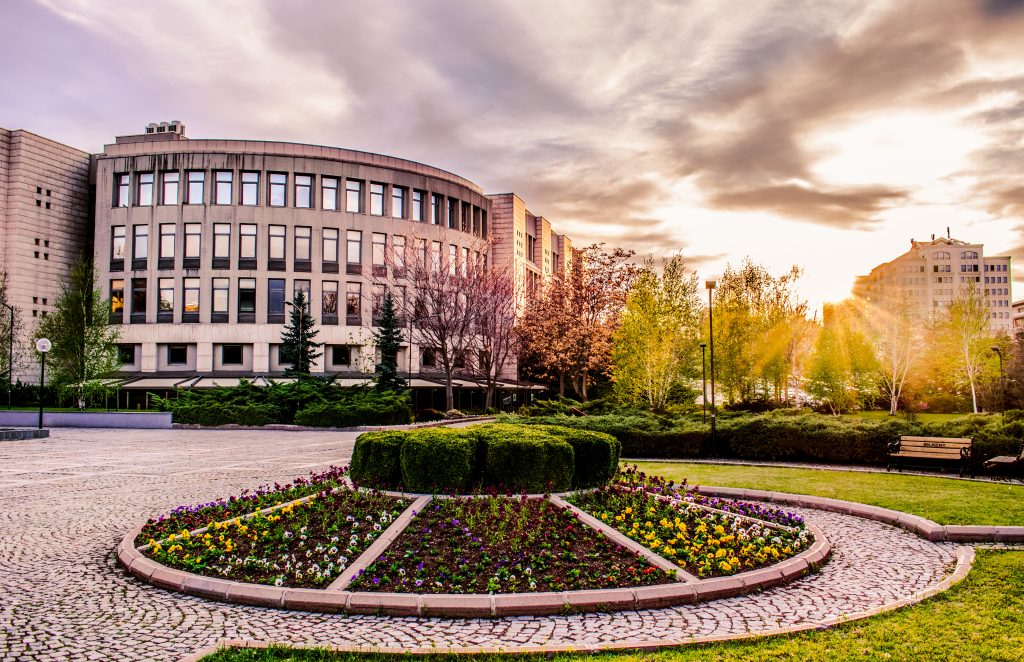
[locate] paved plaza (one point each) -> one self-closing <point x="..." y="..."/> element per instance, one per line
<point x="65" y="503"/>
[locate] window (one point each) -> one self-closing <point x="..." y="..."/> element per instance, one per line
<point x="277" y="238"/>
<point x="329" y="193"/>
<point x="167" y="231"/>
<point x="453" y="259"/>
<point x="353" y="196"/>
<point x="145" y="198"/>
<point x="221" y="245"/>
<point x="231" y="355"/>
<point x="353" y="294"/>
<point x="117" y="298"/>
<point x="177" y="354"/>
<point x="435" y="209"/>
<point x="378" y="251"/>
<point x="250" y="189"/>
<point x="278" y="189"/>
<point x="423" y="255"/>
<point x="428" y="357"/>
<point x="247" y="246"/>
<point x="467" y="213"/>
<point x="397" y="202"/>
<point x="377" y="199"/>
<point x="376" y="303"/>
<point x="169" y="192"/>
<point x="223" y="180"/>
<point x="354" y="252"/>
<point x="435" y="255"/>
<point x="194" y="192"/>
<point x="140" y="243"/>
<point x="304" y="287"/>
<point x="465" y="262"/>
<point x="417" y="206"/>
<point x="330" y="246"/>
<point x="246" y="299"/>
<point x="451" y="211"/>
<point x="303" y="191"/>
<point x="138" y="300"/>
<point x="190" y="300"/>
<point x="117" y="242"/>
<point x="220" y="299"/>
<point x="398" y="250"/>
<point x="275" y="300"/>
<point x="122" y="190"/>
<point x="329" y="304"/>
<point x="165" y="299"/>
<point x="193" y="241"/>
<point x="969" y="255"/>
<point x="341" y="355"/>
<point x="303" y="237"/>
<point x="126" y="354"/>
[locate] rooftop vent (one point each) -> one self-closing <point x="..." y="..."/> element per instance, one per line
<point x="166" y="127"/>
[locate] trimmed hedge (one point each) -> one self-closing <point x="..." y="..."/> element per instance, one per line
<point x="393" y="410"/>
<point x="508" y="457"/>
<point x="256" y="414"/>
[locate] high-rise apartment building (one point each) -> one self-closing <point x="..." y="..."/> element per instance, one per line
<point x="932" y="274"/>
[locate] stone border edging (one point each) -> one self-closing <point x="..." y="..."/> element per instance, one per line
<point x="475" y="605"/>
<point x="916" y="524"/>
<point x="964" y="562"/>
<point x="284" y="427"/>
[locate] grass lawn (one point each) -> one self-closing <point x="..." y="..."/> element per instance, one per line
<point x="982" y="618"/>
<point x="881" y="415"/>
<point x="943" y="500"/>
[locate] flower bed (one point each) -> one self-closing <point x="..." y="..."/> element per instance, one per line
<point x="304" y="545"/>
<point x="704" y="543"/>
<point x="503" y="545"/>
<point x="190" y="518"/>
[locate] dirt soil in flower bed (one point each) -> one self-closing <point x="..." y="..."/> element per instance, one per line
<point x="302" y="545"/>
<point x="706" y="544"/>
<point x="190" y="518"/>
<point x="503" y="545"/>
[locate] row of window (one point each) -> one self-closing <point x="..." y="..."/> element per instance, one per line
<point x="996" y="279"/>
<point x="383" y="199"/>
<point x="381" y="252"/>
<point x="190" y="305"/>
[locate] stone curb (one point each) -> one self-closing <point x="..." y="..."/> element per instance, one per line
<point x="282" y="427"/>
<point x="915" y="524"/>
<point x="469" y="606"/>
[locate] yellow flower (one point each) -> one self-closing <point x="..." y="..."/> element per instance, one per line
<point x="628" y="510"/>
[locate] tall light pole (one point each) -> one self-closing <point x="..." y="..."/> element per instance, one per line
<point x="703" y="383"/>
<point x="43" y="345"/>
<point x="10" y="352"/>
<point x="1002" y="380"/>
<point x="710" y="285"/>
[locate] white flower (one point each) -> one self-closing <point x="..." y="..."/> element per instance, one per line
<point x="278" y="582"/>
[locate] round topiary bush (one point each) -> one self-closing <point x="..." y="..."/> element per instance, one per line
<point x="509" y="457"/>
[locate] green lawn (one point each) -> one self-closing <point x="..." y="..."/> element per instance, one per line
<point x="880" y="415"/>
<point x="982" y="618"/>
<point x="943" y="500"/>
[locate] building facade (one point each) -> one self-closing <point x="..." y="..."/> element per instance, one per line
<point x="202" y="244"/>
<point x="932" y="274"/>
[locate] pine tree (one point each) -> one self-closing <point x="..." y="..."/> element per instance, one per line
<point x="388" y="338"/>
<point x="299" y="347"/>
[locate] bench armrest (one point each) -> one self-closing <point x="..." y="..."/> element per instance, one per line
<point x="894" y="447"/>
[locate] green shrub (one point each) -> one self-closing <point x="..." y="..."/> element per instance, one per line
<point x="367" y="408"/>
<point x="519" y="458"/>
<point x="1013" y="415"/>
<point x="376" y="458"/>
<point x="213" y="415"/>
<point x="437" y="460"/>
<point x="596" y="454"/>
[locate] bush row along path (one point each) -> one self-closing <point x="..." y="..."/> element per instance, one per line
<point x="67" y="501"/>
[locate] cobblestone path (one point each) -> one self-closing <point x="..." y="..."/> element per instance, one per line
<point x="67" y="501"/>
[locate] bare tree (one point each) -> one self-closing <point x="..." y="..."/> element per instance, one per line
<point x="494" y="304"/>
<point x="897" y="342"/>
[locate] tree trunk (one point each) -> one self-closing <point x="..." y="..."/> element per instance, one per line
<point x="489" y="397"/>
<point x="561" y="384"/>
<point x="449" y="394"/>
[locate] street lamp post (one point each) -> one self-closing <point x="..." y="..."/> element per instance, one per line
<point x="10" y="353"/>
<point x="43" y="345"/>
<point x="1002" y="380"/>
<point x="710" y="285"/>
<point x="703" y="383"/>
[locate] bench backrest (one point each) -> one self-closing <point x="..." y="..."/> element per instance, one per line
<point x="934" y="447"/>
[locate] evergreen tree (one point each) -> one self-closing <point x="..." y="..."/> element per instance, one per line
<point x="299" y="347"/>
<point x="84" y="344"/>
<point x="388" y="338"/>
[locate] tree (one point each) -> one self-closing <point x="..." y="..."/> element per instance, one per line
<point x="299" y="347"/>
<point x="7" y="358"/>
<point x="388" y="339"/>
<point x="494" y="303"/>
<point x="654" y="347"/>
<point x="568" y="328"/>
<point x="84" y="344"/>
<point x="897" y="340"/>
<point x="963" y="339"/>
<point x="843" y="368"/>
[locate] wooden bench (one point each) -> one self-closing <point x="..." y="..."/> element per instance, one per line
<point x="932" y="448"/>
<point x="1005" y="461"/>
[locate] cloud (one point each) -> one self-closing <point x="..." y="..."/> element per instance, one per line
<point x="851" y="208"/>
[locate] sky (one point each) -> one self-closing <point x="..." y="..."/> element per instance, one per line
<point x="821" y="133"/>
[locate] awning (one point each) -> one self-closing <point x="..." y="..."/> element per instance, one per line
<point x="218" y="382"/>
<point x="353" y="382"/>
<point x="156" y="383"/>
<point x="423" y="383"/>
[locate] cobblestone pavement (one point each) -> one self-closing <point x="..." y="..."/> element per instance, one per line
<point x="65" y="503"/>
